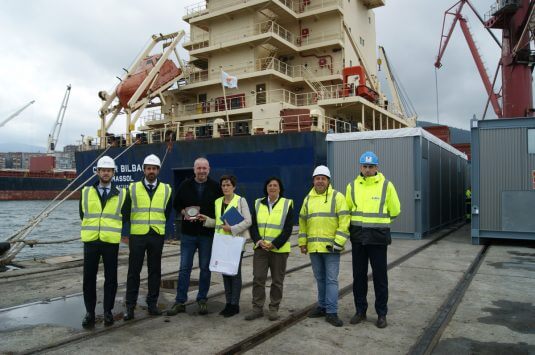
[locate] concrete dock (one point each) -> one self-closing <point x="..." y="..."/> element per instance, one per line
<point x="495" y="313"/>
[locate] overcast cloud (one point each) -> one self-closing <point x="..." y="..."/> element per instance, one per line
<point x="47" y="44"/>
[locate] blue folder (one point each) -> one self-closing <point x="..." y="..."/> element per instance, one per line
<point x="232" y="216"/>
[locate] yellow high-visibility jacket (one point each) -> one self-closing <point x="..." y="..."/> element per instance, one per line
<point x="99" y="223"/>
<point x="147" y="213"/>
<point x="323" y="220"/>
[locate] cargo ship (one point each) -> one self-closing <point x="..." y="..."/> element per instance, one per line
<point x="264" y="83"/>
<point x="41" y="181"/>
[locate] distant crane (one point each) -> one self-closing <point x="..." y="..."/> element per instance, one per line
<point x="16" y="113"/>
<point x="516" y="19"/>
<point x="54" y="134"/>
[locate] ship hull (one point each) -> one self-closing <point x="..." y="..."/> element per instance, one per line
<point x="33" y="188"/>
<point x="252" y="159"/>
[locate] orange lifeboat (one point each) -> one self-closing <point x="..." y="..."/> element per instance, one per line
<point x="128" y="87"/>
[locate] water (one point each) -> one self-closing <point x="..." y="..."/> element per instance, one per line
<point x="62" y="223"/>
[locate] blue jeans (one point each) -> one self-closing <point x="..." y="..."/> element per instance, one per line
<point x="326" y="267"/>
<point x="188" y="245"/>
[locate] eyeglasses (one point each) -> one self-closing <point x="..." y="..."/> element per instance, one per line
<point x="368" y="166"/>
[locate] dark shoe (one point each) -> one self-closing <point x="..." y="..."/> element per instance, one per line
<point x="129" y="314"/>
<point x="203" y="307"/>
<point x="273" y="315"/>
<point x="381" y="322"/>
<point x="89" y="321"/>
<point x="108" y="319"/>
<point x="333" y="319"/>
<point x="234" y="309"/>
<point x="154" y="310"/>
<point x="225" y="310"/>
<point x="254" y="315"/>
<point x="177" y="308"/>
<point x="357" y="318"/>
<point x="317" y="312"/>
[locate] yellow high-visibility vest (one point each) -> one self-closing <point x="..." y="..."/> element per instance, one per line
<point x="323" y="220"/>
<point x="218" y="203"/>
<point x="147" y="213"/>
<point x="98" y="223"/>
<point x="271" y="224"/>
<point x="373" y="201"/>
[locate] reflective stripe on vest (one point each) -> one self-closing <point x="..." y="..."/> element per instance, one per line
<point x="101" y="224"/>
<point x="357" y="217"/>
<point x="331" y="214"/>
<point x="218" y="204"/>
<point x="270" y="231"/>
<point x="144" y="215"/>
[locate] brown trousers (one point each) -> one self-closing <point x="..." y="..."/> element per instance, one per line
<point x="262" y="261"/>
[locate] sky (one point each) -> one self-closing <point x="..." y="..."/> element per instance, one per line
<point x="48" y="44"/>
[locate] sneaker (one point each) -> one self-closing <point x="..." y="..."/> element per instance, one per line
<point x="333" y="319"/>
<point x="273" y="316"/>
<point x="254" y="315"/>
<point x="225" y="310"/>
<point x="203" y="307"/>
<point x="381" y="322"/>
<point x="233" y="310"/>
<point x="177" y="308"/>
<point x="317" y="312"/>
<point x="357" y="318"/>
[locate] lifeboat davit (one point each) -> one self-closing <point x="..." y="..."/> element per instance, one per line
<point x="128" y="87"/>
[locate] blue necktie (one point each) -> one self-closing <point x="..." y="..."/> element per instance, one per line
<point x="104" y="193"/>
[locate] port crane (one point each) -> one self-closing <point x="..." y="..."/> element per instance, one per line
<point x="56" y="128"/>
<point x="516" y="19"/>
<point x="16" y="113"/>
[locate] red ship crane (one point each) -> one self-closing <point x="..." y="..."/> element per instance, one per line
<point x="517" y="21"/>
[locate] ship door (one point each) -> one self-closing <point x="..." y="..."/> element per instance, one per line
<point x="260" y="94"/>
<point x="202" y="106"/>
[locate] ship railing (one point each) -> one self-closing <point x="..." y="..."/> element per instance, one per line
<point x="235" y="102"/>
<point x="151" y="116"/>
<point x="298" y="6"/>
<point x="197" y="41"/>
<point x="319" y="37"/>
<point x="313" y="122"/>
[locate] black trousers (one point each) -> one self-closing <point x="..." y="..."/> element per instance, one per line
<point x="376" y="254"/>
<point x="93" y="251"/>
<point x="152" y="244"/>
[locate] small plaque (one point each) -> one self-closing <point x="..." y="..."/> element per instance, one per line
<point x="191" y="213"/>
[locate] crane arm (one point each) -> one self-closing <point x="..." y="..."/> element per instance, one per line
<point x="54" y="134"/>
<point x="16" y="113"/>
<point x="391" y="83"/>
<point x="445" y="38"/>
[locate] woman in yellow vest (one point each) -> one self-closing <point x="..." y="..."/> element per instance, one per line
<point x="270" y="232"/>
<point x="230" y="199"/>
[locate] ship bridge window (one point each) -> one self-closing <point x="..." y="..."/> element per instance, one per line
<point x="531" y="141"/>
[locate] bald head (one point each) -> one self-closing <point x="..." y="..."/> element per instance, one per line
<point x="201" y="169"/>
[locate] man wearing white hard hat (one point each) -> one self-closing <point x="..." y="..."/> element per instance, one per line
<point x="103" y="209"/>
<point x="374" y="203"/>
<point x="323" y="231"/>
<point x="150" y="211"/>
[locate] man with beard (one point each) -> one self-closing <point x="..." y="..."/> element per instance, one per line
<point x="103" y="208"/>
<point x="150" y="211"/>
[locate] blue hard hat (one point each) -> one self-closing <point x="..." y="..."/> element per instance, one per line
<point x="369" y="158"/>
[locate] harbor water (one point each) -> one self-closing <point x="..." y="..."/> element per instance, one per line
<point x="62" y="223"/>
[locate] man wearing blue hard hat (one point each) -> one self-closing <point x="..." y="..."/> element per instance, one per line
<point x="373" y="202"/>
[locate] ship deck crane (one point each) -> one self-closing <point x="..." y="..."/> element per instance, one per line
<point x="54" y="134"/>
<point x="16" y="113"/>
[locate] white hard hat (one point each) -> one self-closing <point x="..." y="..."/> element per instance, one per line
<point x="322" y="170"/>
<point x="106" y="162"/>
<point x="152" y="160"/>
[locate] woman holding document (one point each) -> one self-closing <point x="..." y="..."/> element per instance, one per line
<point x="236" y="224"/>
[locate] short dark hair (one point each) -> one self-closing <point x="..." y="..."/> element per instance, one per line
<point x="277" y="180"/>
<point x="230" y="178"/>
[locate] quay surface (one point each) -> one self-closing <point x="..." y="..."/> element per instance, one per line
<point x="446" y="296"/>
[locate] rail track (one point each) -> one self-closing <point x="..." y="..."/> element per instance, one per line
<point x="423" y="345"/>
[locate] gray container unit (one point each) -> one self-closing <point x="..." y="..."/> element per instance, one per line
<point x="503" y="179"/>
<point x="429" y="174"/>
